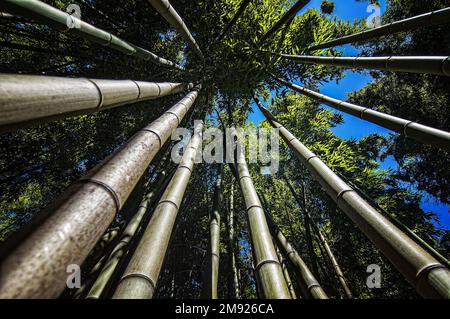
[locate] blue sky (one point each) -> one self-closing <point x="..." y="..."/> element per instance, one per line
<point x="349" y="10"/>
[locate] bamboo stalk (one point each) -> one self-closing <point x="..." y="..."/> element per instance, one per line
<point x="429" y="277"/>
<point x="268" y="270"/>
<point x="329" y="252"/>
<point x="128" y="235"/>
<point x="232" y="245"/>
<point x="140" y="278"/>
<point x="422" y="133"/>
<point x="287" y="277"/>
<point x="438" y="65"/>
<point x="37" y="267"/>
<point x="300" y="4"/>
<point x="424" y="20"/>
<point x="212" y="267"/>
<point x="170" y="14"/>
<point x="29" y="99"/>
<point x="308" y="283"/>
<point x="44" y="13"/>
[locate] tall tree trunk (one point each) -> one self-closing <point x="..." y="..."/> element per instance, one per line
<point x="140" y="278"/>
<point x="212" y="264"/>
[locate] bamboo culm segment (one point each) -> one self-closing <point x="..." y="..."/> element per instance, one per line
<point x="39" y="11"/>
<point x="128" y="235"/>
<point x="268" y="270"/>
<point x="37" y="267"/>
<point x="416" y="131"/>
<point x="141" y="275"/>
<point x="308" y="283"/>
<point x="168" y="12"/>
<point x="300" y="4"/>
<point x="429" y="277"/>
<point x="29" y="99"/>
<point x="424" y="20"/>
<point x="438" y="65"/>
<point x="212" y="268"/>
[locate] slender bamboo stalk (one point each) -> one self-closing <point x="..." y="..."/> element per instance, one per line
<point x="429" y="277"/>
<point x="232" y="246"/>
<point x="37" y="267"/>
<point x="438" y="65"/>
<point x="424" y="20"/>
<point x="268" y="270"/>
<point x="309" y="285"/>
<point x="37" y="10"/>
<point x="287" y="277"/>
<point x="309" y="238"/>
<point x="300" y="4"/>
<point x="212" y="267"/>
<point x="239" y="13"/>
<point x="128" y="235"/>
<point x="170" y="14"/>
<point x="140" y="278"/>
<point x="419" y="132"/>
<point x="335" y="264"/>
<point x="29" y="99"/>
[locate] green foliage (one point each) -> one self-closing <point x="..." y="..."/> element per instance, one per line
<point x="327" y="7"/>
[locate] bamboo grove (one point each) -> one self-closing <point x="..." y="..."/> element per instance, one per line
<point x="89" y="111"/>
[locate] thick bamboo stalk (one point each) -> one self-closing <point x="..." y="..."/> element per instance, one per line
<point x="422" y="133"/>
<point x="140" y="277"/>
<point x="128" y="235"/>
<point x="300" y="4"/>
<point x="37" y="267"/>
<point x="212" y="266"/>
<point x="429" y="277"/>
<point x="30" y="99"/>
<point x="309" y="285"/>
<point x="44" y="13"/>
<point x="424" y="20"/>
<point x="438" y="65"/>
<point x="399" y="224"/>
<point x="239" y="13"/>
<point x="170" y="14"/>
<point x="268" y="270"/>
